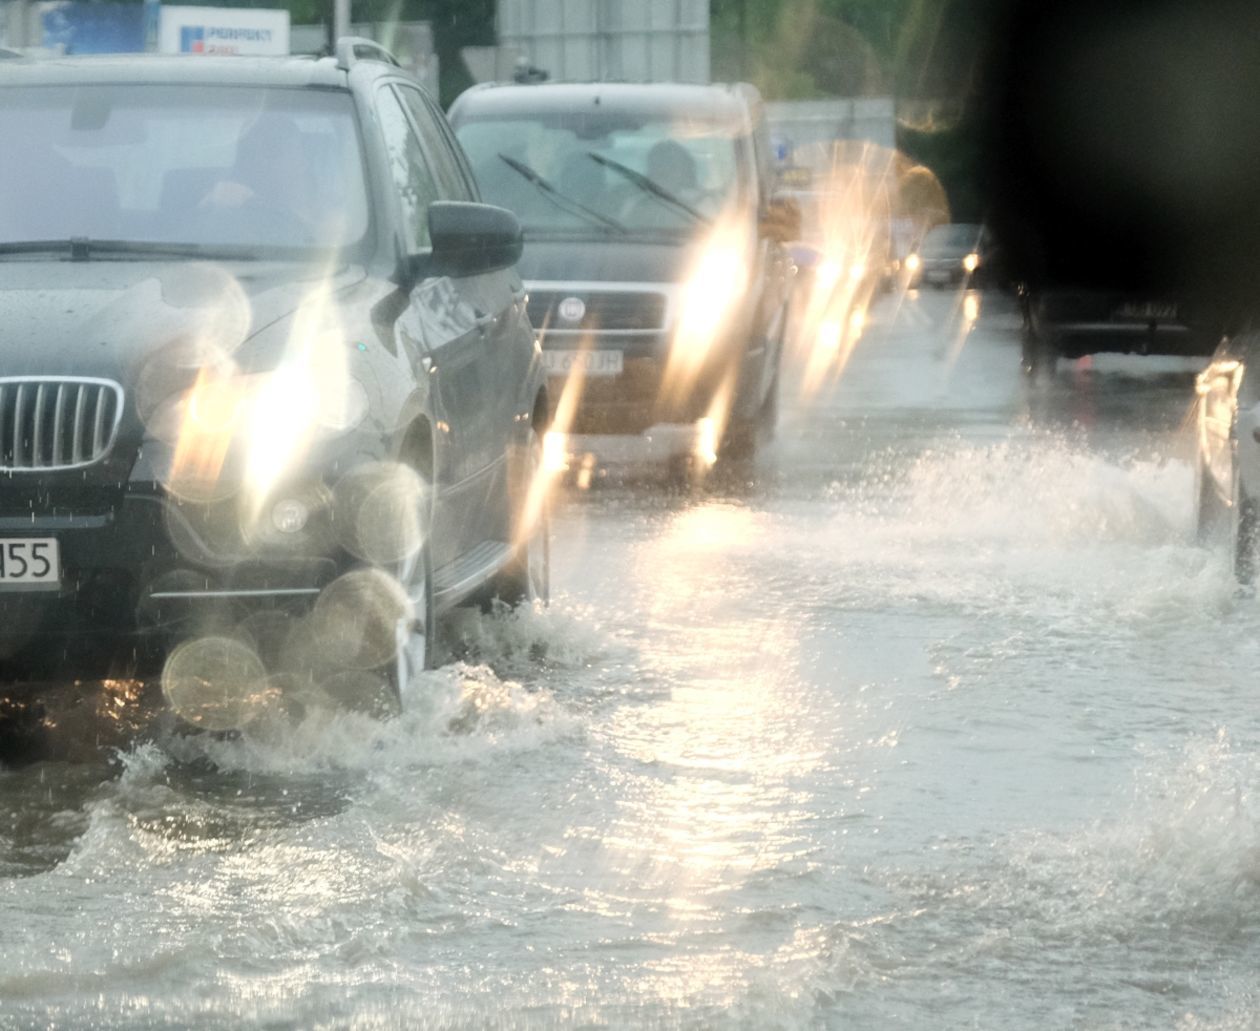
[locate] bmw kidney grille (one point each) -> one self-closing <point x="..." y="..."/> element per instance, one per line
<point x="57" y="422"/>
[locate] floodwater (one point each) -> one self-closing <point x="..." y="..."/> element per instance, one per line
<point x="936" y="717"/>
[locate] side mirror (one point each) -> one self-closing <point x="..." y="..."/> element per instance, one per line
<point x="469" y="239"/>
<point x="782" y="220"/>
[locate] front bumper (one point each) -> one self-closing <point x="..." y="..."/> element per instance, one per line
<point x="137" y="577"/>
<point x="658" y="444"/>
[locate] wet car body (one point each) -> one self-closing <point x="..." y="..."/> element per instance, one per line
<point x="1227" y="453"/>
<point x="202" y="436"/>
<point x="612" y="296"/>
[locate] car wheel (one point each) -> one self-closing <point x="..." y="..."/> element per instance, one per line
<point x="415" y="638"/>
<point x="1244" y="524"/>
<point x="1209" y="510"/>
<point x="527" y="578"/>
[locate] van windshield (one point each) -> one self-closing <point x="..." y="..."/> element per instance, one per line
<point x="228" y="168"/>
<point x="562" y="173"/>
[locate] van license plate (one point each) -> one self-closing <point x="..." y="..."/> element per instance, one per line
<point x="32" y="563"/>
<point x="588" y="363"/>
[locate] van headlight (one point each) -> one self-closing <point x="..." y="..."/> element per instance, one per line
<point x="716" y="286"/>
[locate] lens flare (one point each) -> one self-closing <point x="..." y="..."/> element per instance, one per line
<point x="356" y="617"/>
<point x="215" y="683"/>
<point x="711" y="301"/>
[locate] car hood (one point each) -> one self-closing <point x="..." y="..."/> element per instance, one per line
<point x="606" y="260"/>
<point x="103" y="318"/>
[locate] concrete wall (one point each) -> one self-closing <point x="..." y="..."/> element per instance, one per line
<point x="632" y="40"/>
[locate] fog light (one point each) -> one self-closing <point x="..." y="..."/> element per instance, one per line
<point x="290" y="515"/>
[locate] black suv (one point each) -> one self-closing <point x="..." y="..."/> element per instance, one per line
<point x="269" y="401"/>
<point x="657" y="280"/>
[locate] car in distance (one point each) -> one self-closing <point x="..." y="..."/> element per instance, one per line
<point x="269" y="401"/>
<point x="952" y="254"/>
<point x="657" y="279"/>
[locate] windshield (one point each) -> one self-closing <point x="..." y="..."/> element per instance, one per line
<point x="655" y="174"/>
<point x="222" y="167"/>
<point x="951" y="238"/>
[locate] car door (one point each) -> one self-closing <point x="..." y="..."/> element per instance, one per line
<point x="497" y="299"/>
<point x="443" y="333"/>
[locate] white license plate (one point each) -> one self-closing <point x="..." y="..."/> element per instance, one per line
<point x="586" y="363"/>
<point x="30" y="562"/>
<point x="937" y="275"/>
<point x="1147" y="311"/>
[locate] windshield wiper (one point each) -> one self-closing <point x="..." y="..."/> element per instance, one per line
<point x="561" y="200"/>
<point x="81" y="248"/>
<point x="650" y="186"/>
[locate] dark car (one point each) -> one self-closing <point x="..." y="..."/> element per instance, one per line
<point x="953" y="254"/>
<point x="1116" y="145"/>
<point x="657" y="280"/>
<point x="269" y="402"/>
<point x="1071" y="322"/>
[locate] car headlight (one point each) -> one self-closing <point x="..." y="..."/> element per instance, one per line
<point x="912" y="263"/>
<point x="828" y="274"/>
<point x="971" y="262"/>
<point x="234" y="429"/>
<point x="715" y="287"/>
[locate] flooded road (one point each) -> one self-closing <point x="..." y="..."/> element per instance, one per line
<point x="936" y="717"/>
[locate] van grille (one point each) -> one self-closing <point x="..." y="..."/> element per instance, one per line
<point x="605" y="309"/>
<point x="57" y="422"/>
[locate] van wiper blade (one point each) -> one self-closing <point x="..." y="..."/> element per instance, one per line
<point x="650" y="186"/>
<point x="81" y="248"/>
<point x="561" y="200"/>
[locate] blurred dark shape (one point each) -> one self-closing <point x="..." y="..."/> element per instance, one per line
<point x="669" y="165"/>
<point x="526" y="73"/>
<point x="1120" y="147"/>
<point x="271" y="161"/>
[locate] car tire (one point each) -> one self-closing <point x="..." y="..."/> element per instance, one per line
<point x="415" y="638"/>
<point x="527" y="577"/>
<point x="1244" y="528"/>
<point x="1209" y="511"/>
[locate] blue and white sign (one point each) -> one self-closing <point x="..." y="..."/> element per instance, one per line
<point x="223" y="30"/>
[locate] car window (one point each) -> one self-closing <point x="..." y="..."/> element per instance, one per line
<point x="203" y="165"/>
<point x="437" y="145"/>
<point x="414" y="182"/>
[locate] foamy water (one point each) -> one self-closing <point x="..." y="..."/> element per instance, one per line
<point x="939" y="718"/>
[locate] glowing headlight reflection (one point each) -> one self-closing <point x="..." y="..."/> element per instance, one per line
<point x="913" y="262"/>
<point x="828" y="274"/>
<point x="234" y="429"/>
<point x="716" y="285"/>
<point x="281" y="425"/>
<point x="971" y="262"/>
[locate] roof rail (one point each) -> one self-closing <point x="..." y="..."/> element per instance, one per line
<point x="352" y="49"/>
